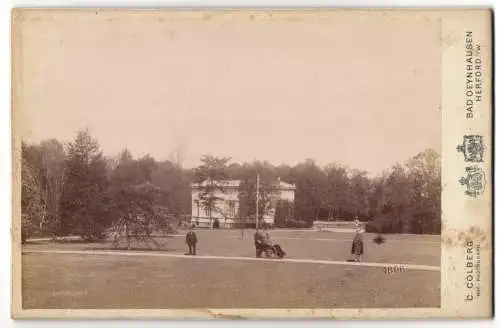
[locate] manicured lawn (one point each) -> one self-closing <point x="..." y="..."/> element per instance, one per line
<point x="119" y="281"/>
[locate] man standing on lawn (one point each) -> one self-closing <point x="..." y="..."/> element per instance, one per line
<point x="191" y="240"/>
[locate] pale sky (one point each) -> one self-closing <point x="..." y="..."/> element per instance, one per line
<point x="362" y="91"/>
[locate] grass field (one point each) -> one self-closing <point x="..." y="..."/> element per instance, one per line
<point x="225" y="274"/>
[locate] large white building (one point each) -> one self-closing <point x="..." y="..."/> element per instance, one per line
<point x="227" y="204"/>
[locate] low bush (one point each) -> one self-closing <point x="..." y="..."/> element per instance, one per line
<point x="379" y="239"/>
<point x="295" y="224"/>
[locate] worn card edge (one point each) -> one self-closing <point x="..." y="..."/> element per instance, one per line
<point x="18" y="312"/>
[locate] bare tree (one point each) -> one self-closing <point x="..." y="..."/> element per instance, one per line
<point x="177" y="155"/>
<point x="53" y="161"/>
<point x="33" y="209"/>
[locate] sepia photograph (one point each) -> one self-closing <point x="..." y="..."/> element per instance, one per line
<point x="180" y="160"/>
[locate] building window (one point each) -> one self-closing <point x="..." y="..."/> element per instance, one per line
<point x="208" y="211"/>
<point x="197" y="203"/>
<point x="232" y="208"/>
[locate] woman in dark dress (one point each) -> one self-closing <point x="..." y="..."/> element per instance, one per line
<point x="357" y="246"/>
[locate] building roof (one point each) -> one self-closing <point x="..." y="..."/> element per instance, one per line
<point x="284" y="185"/>
<point x="236" y="184"/>
<point x="222" y="183"/>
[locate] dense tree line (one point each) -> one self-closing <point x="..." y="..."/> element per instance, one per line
<point x="75" y="189"/>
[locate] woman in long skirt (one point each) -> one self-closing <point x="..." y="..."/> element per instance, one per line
<point x="357" y="246"/>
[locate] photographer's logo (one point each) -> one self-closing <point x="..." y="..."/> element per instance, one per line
<point x="473" y="148"/>
<point x="474" y="181"/>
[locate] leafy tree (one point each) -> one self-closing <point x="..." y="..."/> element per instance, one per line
<point x="175" y="184"/>
<point x="138" y="213"/>
<point x="43" y="176"/>
<point x="310" y="194"/>
<point x="377" y="201"/>
<point x="424" y="171"/>
<point x="268" y="191"/>
<point x="337" y="190"/>
<point x="33" y="209"/>
<point x="131" y="171"/>
<point x="407" y="199"/>
<point x="83" y="203"/>
<point x="399" y="198"/>
<point x="284" y="212"/>
<point x="209" y="176"/>
<point x="359" y="190"/>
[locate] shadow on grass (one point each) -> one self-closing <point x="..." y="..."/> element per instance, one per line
<point x="28" y="242"/>
<point x="78" y="241"/>
<point x="142" y="249"/>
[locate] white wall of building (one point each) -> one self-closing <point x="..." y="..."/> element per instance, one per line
<point x="228" y="205"/>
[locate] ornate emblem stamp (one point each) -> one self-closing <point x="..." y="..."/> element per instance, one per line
<point x="473" y="148"/>
<point x="474" y="181"/>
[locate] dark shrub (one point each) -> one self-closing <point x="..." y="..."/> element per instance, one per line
<point x="295" y="224"/>
<point x="379" y="239"/>
<point x="305" y="224"/>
